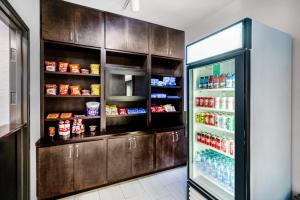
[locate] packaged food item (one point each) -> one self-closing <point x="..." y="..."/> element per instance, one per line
<point x="53" y="116"/>
<point x="50" y="66"/>
<point x="65" y="115"/>
<point x="79" y="116"/>
<point x="92" y="108"/>
<point x="95" y="68"/>
<point x="63" y="66"/>
<point x="95" y="88"/>
<point x="85" y="71"/>
<point x="74" y="68"/>
<point x="85" y="92"/>
<point x="77" y="127"/>
<point x="122" y="111"/>
<point x="154" y="81"/>
<point x="230" y="103"/>
<point x="51" y="89"/>
<point x="155" y="109"/>
<point x="75" y="90"/>
<point x="63" y="89"/>
<point x="64" y="128"/>
<point x="169" y="108"/>
<point x="51" y="131"/>
<point x="93" y="128"/>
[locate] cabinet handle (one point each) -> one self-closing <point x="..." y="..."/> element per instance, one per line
<point x="130" y="143"/>
<point x="77" y="151"/>
<point x="70" y="151"/>
<point x="173" y="136"/>
<point x="134" y="143"/>
<point x="76" y="37"/>
<point x="177" y="137"/>
<point x="71" y="36"/>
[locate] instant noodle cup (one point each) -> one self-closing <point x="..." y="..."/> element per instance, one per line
<point x="95" y="68"/>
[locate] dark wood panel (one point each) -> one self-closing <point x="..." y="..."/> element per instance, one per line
<point x="143" y="154"/>
<point x="115" y="31"/>
<point x="55" y="171"/>
<point x="137" y="40"/>
<point x="57" y="21"/>
<point x="119" y="159"/>
<point x="159" y="40"/>
<point x="176" y="43"/>
<point x="180" y="148"/>
<point x="164" y="150"/>
<point x="89" y="164"/>
<point x="89" y="25"/>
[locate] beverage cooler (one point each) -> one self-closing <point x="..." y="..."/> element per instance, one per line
<point x="239" y="114"/>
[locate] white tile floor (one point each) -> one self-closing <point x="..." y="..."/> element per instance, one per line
<point x="167" y="185"/>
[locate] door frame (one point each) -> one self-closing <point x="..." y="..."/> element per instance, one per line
<point x="242" y="141"/>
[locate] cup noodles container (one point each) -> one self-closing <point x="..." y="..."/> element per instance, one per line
<point x="217" y="102"/>
<point x="223" y="103"/>
<point x="230" y="103"/>
<point x="211" y="102"/>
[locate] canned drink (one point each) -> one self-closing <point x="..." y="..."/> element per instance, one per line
<point x="213" y="141"/>
<point x="217" y="103"/>
<point x="225" y="146"/>
<point x="206" y="119"/>
<point x="198" y="136"/>
<point x="218" y="120"/>
<point x="197" y="117"/>
<point x="203" y="137"/>
<point x="206" y="101"/>
<point x="230" y="103"/>
<point x="197" y="101"/>
<point x="202" y="118"/>
<point x="231" y="147"/>
<point x="223" y="103"/>
<point x="212" y="119"/>
<point x="218" y="143"/>
<point x="211" y="102"/>
<point x="201" y="101"/>
<point x="223" y="122"/>
<point x="230" y="123"/>
<point x="208" y="141"/>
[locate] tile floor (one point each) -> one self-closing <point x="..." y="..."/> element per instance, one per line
<point x="167" y="185"/>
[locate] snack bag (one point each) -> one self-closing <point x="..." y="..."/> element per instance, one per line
<point x="85" y="92"/>
<point x="63" y="89"/>
<point x="95" y="68"/>
<point x="65" y="115"/>
<point x="74" y="68"/>
<point x="85" y="71"/>
<point x="92" y="108"/>
<point x="75" y="90"/>
<point x="114" y="110"/>
<point x="50" y="66"/>
<point x="51" y="89"/>
<point x="95" y="88"/>
<point x="63" y="67"/>
<point x="107" y="110"/>
<point x="52" y="115"/>
<point x="122" y="111"/>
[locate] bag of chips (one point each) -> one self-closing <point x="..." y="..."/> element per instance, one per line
<point x="51" y="89"/>
<point x="63" y="67"/>
<point x="50" y="66"/>
<point x="95" y="68"/>
<point x="65" y="115"/>
<point x="75" y="90"/>
<point x="74" y="68"/>
<point x="63" y="89"/>
<point x="95" y="88"/>
<point x="52" y="115"/>
<point x="122" y="111"/>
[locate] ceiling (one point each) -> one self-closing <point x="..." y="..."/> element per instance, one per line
<point x="179" y="14"/>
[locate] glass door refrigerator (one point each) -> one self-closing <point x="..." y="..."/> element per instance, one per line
<point x="238" y="125"/>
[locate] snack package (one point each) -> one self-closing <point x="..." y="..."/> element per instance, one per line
<point x="53" y="116"/>
<point x="122" y="111"/>
<point x="111" y="110"/>
<point x="65" y="115"/>
<point x="95" y="88"/>
<point x="63" y="89"/>
<point x="95" y="68"/>
<point x="169" y="108"/>
<point x="92" y="108"/>
<point x="75" y="90"/>
<point x="51" y="131"/>
<point x="50" y="66"/>
<point x="85" y="71"/>
<point x="74" y="68"/>
<point x="63" y="66"/>
<point x="51" y="89"/>
<point x="155" y="109"/>
<point x="85" y="92"/>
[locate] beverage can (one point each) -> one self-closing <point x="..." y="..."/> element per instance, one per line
<point x="210" y="82"/>
<point x="223" y="122"/>
<point x="231" y="147"/>
<point x="207" y="119"/>
<point x="211" y="102"/>
<point x="218" y="120"/>
<point x="206" y="101"/>
<point x="218" y="143"/>
<point x="223" y="103"/>
<point x="200" y="85"/>
<point x="233" y="80"/>
<point x="203" y="138"/>
<point x="217" y="102"/>
<point x="201" y="101"/>
<point x="212" y="141"/>
<point x="225" y="146"/>
<point x="202" y="118"/>
<point x="205" y="82"/>
<point x="230" y="123"/>
<point x="212" y="119"/>
<point x="197" y="101"/>
<point x="208" y="139"/>
<point x="198" y="136"/>
<point x="230" y="103"/>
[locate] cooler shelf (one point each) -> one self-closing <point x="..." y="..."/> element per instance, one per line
<point x="215" y="128"/>
<point x="217" y="90"/>
<point x="214" y="109"/>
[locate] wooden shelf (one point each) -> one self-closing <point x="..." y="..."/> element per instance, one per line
<point x="70" y="96"/>
<point x="128" y="115"/>
<point x="166" y="87"/>
<point x="167" y="99"/>
<point x="167" y="58"/>
<point x="166" y="113"/>
<point x="165" y="74"/>
<point x="217" y="90"/>
<point x="72" y="118"/>
<point x="72" y="74"/>
<point x="126" y="98"/>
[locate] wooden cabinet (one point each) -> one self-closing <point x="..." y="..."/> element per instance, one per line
<point x="130" y="156"/>
<point x="167" y="42"/>
<point x="89" y="164"/>
<point x="119" y="158"/>
<point x="57" y="21"/>
<point x="170" y="149"/>
<point x="89" y="27"/>
<point x="55" y="170"/>
<point x="122" y="33"/>
<point x="64" y="22"/>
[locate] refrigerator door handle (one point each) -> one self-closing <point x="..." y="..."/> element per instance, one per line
<point x="177" y="137"/>
<point x="173" y="135"/>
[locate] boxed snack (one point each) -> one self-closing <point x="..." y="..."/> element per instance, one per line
<point x="65" y="115"/>
<point x="85" y="92"/>
<point x="122" y="111"/>
<point x="92" y="108"/>
<point x="95" y="68"/>
<point x="53" y="116"/>
<point x="154" y="81"/>
<point x="63" y="66"/>
<point x="75" y="90"/>
<point x="155" y="109"/>
<point x="74" y="68"/>
<point x="50" y="66"/>
<point x="95" y="88"/>
<point x="63" y="89"/>
<point x="51" y="89"/>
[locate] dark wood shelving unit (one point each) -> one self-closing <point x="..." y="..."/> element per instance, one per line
<point x="71" y="96"/>
<point x="166" y="87"/>
<point x="128" y="115"/>
<point x="71" y="74"/>
<point x="72" y="118"/>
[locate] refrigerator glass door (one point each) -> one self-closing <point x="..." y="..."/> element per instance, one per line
<point x="212" y="128"/>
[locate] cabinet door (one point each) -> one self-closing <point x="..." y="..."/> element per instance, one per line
<point x="55" y="170"/>
<point x="137" y="36"/>
<point x="115" y="32"/>
<point x="176" y="43"/>
<point x="164" y="150"/>
<point x="159" y="40"/>
<point x="89" y="27"/>
<point x="143" y="154"/>
<point x="180" y="154"/>
<point x="89" y="164"/>
<point x="57" y="21"/>
<point x="119" y="158"/>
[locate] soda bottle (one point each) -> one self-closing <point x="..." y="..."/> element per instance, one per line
<point x="222" y="81"/>
<point x="200" y="85"/>
<point x="229" y="80"/>
<point x="210" y="82"/>
<point x="216" y="82"/>
<point x="233" y="80"/>
<point x="205" y="82"/>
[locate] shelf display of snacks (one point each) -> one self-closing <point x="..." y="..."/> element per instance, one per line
<point x="167" y="81"/>
<point x="113" y="110"/>
<point x="74" y="68"/>
<point x="163" y="108"/>
<point x="63" y="66"/>
<point x="63" y="89"/>
<point x="53" y="115"/>
<point x="75" y="90"/>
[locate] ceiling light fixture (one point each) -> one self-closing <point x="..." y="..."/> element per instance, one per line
<point x="135" y="5"/>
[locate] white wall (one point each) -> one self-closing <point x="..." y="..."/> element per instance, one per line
<point x="29" y="11"/>
<point x="283" y="15"/>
